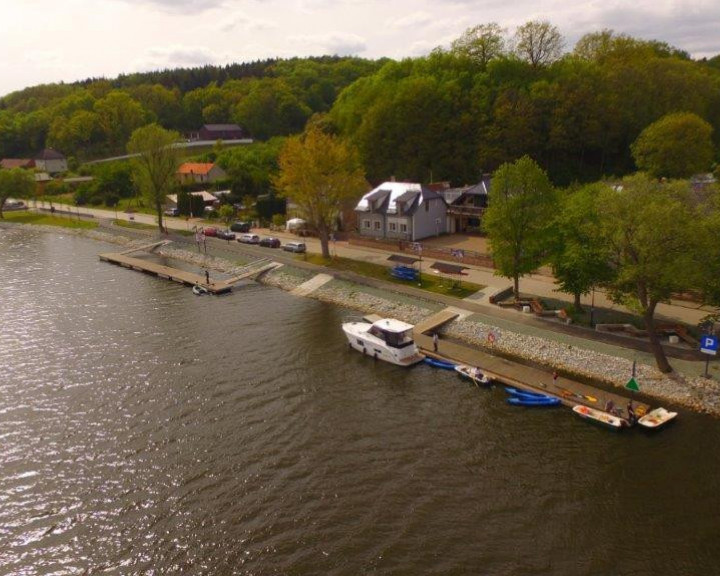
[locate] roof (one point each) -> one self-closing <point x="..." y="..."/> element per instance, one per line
<point x="206" y="196"/>
<point x="9" y="163"/>
<point x="195" y="168"/>
<point x="410" y="194"/>
<point x="221" y="127"/>
<point x="453" y="194"/>
<point x="403" y="259"/>
<point x="445" y="268"/>
<point x="50" y="154"/>
<point x="392" y="325"/>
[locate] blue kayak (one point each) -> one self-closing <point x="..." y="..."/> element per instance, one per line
<point x="517" y="392"/>
<point x="439" y="363"/>
<point x="546" y="401"/>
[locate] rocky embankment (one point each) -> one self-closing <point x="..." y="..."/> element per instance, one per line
<point x="700" y="394"/>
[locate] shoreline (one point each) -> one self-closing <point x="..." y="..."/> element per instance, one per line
<point x="695" y="393"/>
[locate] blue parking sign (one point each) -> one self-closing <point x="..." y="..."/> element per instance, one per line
<point x="709" y="344"/>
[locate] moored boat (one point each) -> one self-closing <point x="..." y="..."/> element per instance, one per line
<point x="474" y="374"/>
<point x="519" y="392"/>
<point x="437" y="363"/>
<point x="598" y="416"/>
<point x="385" y="339"/>
<point x="199" y="290"/>
<point x="536" y="402"/>
<point x="657" y="418"/>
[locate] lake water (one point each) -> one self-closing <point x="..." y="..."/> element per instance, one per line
<point x="144" y="430"/>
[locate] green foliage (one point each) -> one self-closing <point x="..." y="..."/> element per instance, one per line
<point x="226" y="213"/>
<point x="155" y="168"/>
<point x="519" y="218"/>
<point x="251" y="168"/>
<point x="15" y="183"/>
<point x="676" y="146"/>
<point x="481" y="43"/>
<point x="319" y="172"/>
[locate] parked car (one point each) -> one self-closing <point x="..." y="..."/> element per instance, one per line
<point x="240" y="226"/>
<point x="297" y="247"/>
<point x="249" y="239"/>
<point x="14" y="205"/>
<point x="225" y="235"/>
<point x="210" y="231"/>
<point x="172" y="212"/>
<point x="270" y="242"/>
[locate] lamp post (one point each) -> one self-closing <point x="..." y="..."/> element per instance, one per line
<point x="592" y="309"/>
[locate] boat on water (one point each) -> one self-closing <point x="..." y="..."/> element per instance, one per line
<point x="199" y="290"/>
<point x="657" y="418"/>
<point x="385" y="339"/>
<point x="474" y="374"/>
<point x="437" y="363"/>
<point x="529" y="401"/>
<point x="599" y="417"/>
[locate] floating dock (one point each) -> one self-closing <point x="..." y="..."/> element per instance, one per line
<point x="183" y="276"/>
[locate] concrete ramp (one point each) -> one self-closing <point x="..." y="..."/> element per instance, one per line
<point x="311" y="285"/>
<point x="436" y="320"/>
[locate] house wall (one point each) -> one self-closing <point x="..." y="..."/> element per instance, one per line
<point x="216" y="173"/>
<point x="52" y="166"/>
<point x="398" y="227"/>
<point x="429" y="219"/>
<point x="220" y="134"/>
<point x="376" y="228"/>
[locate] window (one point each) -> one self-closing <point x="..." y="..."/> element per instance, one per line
<point x="377" y="225"/>
<point x="403" y="227"/>
<point x="393" y="226"/>
<point x="366" y="224"/>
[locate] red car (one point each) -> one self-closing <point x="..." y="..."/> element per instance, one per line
<point x="210" y="232"/>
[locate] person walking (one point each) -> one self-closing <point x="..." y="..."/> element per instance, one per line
<point x="207" y="277"/>
<point x="435" y="342"/>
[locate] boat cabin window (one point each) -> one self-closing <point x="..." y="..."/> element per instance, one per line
<point x="397" y="339"/>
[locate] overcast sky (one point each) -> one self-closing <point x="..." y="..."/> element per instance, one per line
<point x="50" y="41"/>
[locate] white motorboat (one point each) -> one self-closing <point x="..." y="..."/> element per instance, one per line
<point x="657" y="418"/>
<point x="386" y="339"/>
<point x="199" y="290"/>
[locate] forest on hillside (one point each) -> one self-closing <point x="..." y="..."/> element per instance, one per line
<point x="488" y="99"/>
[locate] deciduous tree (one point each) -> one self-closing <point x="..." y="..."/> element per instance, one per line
<point x="654" y="236"/>
<point x="676" y="146"/>
<point x="156" y="164"/>
<point x="15" y="183"/>
<point x="481" y="43"/>
<point x="319" y="172"/>
<point x="539" y="43"/>
<point x="518" y="218"/>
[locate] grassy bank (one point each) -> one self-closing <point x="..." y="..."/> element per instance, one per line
<point x="429" y="282"/>
<point x="24" y="217"/>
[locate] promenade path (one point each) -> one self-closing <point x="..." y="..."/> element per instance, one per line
<point x="478" y="304"/>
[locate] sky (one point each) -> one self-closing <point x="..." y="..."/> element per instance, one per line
<point x="44" y="41"/>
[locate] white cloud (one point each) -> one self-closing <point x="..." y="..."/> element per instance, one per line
<point x="160" y="57"/>
<point x="183" y="6"/>
<point x="331" y="43"/>
<point x="414" y="20"/>
<point x="244" y="22"/>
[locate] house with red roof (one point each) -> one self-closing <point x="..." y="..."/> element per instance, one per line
<point x="200" y="173"/>
<point x="10" y="163"/>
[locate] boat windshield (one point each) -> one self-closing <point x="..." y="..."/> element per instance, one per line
<point x="398" y="339"/>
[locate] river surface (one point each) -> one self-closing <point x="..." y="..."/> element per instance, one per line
<point x="144" y="430"/>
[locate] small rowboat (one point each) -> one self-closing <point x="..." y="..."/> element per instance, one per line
<point x="530" y="401"/>
<point x="199" y="290"/>
<point x="440" y="363"/>
<point x="518" y="392"/>
<point x="598" y="416"/>
<point x="474" y="374"/>
<point x="657" y="418"/>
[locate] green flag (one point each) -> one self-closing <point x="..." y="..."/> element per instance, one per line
<point x="632" y="385"/>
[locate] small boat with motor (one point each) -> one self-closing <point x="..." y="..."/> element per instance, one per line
<point x="657" y="418"/>
<point x="199" y="290"/>
<point x="599" y="417"/>
<point x="473" y="373"/>
<point x="437" y="363"/>
<point x="385" y="339"/>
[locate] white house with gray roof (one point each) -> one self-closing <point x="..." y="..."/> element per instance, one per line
<point x="401" y="211"/>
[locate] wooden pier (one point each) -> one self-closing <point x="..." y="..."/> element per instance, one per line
<point x="183" y="276"/>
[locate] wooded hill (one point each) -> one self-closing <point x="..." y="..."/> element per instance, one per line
<point x="449" y="116"/>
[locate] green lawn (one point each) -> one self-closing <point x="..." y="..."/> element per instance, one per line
<point x="25" y="217"/>
<point x="430" y="282"/>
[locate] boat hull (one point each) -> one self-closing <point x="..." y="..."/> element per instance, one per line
<point x="359" y="339"/>
<point x="533" y="402"/>
<point x="657" y="418"/>
<point x="439" y="363"/>
<point x="465" y="372"/>
<point x="598" y="417"/>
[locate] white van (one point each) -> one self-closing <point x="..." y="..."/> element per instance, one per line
<point x="295" y="247"/>
<point x="249" y="238"/>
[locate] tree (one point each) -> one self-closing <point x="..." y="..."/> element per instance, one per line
<point x="580" y="258"/>
<point x="319" y="172"/>
<point x="15" y="183"/>
<point x="226" y="213"/>
<point x="118" y="115"/>
<point x="156" y="165"/>
<point x="539" y="43"/>
<point x="481" y="43"/>
<point x="518" y="218"/>
<point x="654" y="237"/>
<point x="676" y="146"/>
